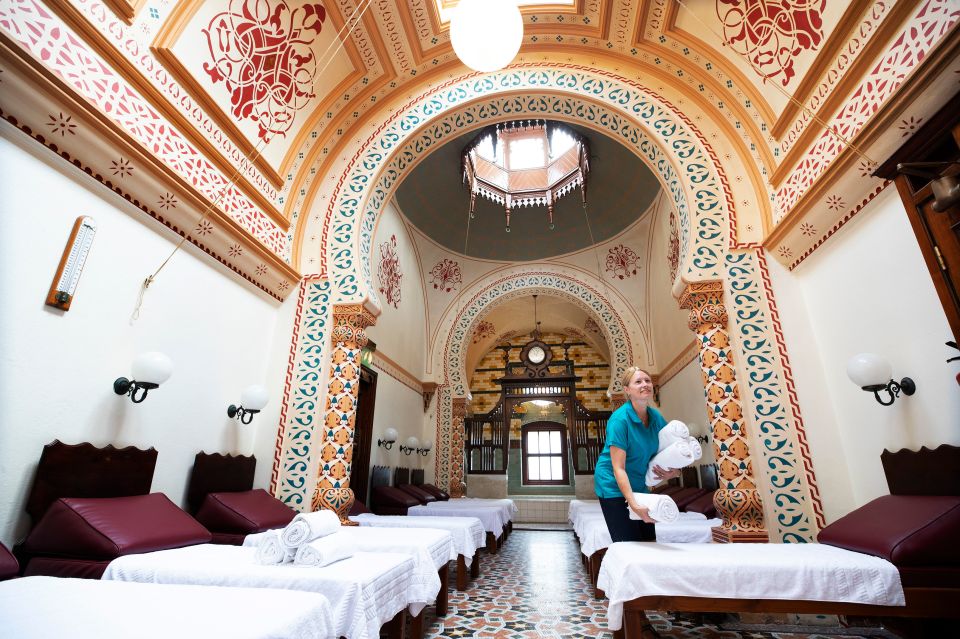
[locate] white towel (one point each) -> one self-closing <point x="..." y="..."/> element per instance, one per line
<point x="676" y="455"/>
<point x="324" y="551"/>
<point x="662" y="508"/>
<point x="674" y="431"/>
<point x="271" y="551"/>
<point x="306" y="527"/>
<point x="695" y="448"/>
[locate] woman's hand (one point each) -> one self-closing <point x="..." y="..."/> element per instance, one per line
<point x="665" y="473"/>
<point x="642" y="512"/>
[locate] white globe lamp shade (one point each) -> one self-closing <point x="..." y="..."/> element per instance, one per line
<point x="427" y="445"/>
<point x="254" y="397"/>
<point x="390" y="435"/>
<point x="152" y="368"/>
<point x="486" y="34"/>
<point x="413" y="442"/>
<point x="868" y="369"/>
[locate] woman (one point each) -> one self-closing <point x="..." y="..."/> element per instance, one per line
<point x="632" y="441"/>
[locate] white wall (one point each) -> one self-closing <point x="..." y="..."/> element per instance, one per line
<point x="867" y="289"/>
<point x="682" y="398"/>
<point x="399" y="406"/>
<point x="57" y="368"/>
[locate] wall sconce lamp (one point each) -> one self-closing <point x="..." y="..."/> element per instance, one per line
<point x="873" y="374"/>
<point x="424" y="450"/>
<point x="389" y="436"/>
<point x="412" y="444"/>
<point x="946" y="188"/>
<point x="149" y="371"/>
<point x="252" y="400"/>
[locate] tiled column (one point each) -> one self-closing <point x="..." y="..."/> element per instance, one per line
<point x="456" y="446"/>
<point x="336" y="451"/>
<point x="738" y="500"/>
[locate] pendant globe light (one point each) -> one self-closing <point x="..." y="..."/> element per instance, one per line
<point x="486" y="34"/>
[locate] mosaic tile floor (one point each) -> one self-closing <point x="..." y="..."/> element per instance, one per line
<point x="536" y="587"/>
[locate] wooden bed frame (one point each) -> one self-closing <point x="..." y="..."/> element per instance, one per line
<point x="923" y="472"/>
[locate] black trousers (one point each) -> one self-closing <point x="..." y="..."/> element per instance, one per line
<point x="621" y="527"/>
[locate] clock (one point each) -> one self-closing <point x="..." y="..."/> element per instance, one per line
<point x="536" y="355"/>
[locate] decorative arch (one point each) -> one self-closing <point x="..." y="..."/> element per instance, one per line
<point x="450" y="353"/>
<point x="644" y="121"/>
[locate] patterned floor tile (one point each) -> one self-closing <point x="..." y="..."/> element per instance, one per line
<point x="536" y="588"/>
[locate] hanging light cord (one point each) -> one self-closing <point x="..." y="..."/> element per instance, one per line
<point x="813" y="116"/>
<point x="352" y="21"/>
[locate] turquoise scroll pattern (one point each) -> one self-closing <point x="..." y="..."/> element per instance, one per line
<point x="785" y="461"/>
<point x="306" y="388"/>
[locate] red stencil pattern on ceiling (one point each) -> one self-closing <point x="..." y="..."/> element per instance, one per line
<point x="446" y="275"/>
<point x="483" y="331"/>
<point x="261" y="51"/>
<point x="771" y="33"/>
<point x="622" y="261"/>
<point x="389" y="272"/>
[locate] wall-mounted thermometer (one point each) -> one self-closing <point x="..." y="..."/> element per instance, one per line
<point x="65" y="282"/>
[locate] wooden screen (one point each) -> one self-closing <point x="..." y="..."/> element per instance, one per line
<point x="923" y="472"/>
<point x="402" y="476"/>
<point x="416" y="477"/>
<point x="487" y="439"/>
<point x="217" y="473"/>
<point x="587" y="438"/>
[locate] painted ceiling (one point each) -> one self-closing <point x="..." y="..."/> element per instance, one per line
<point x="238" y="119"/>
<point x="433" y="197"/>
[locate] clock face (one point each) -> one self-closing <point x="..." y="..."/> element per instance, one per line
<point x="536" y="355"/>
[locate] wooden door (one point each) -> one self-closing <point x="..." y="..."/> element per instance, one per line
<point x="363" y="434"/>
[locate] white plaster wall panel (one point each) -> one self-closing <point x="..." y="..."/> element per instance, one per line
<point x="869" y="290"/>
<point x="400" y="331"/>
<point x="58" y="368"/>
<point x="823" y="429"/>
<point x="400" y="407"/>
<point x="682" y="398"/>
<point x="669" y="332"/>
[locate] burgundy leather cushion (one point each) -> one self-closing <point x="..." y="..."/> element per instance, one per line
<point x="228" y="539"/>
<point x="421" y="495"/>
<point x="667" y="489"/>
<point x="9" y="567"/>
<point x="907" y="530"/>
<point x="686" y="495"/>
<point x="104" y="528"/>
<point x="387" y="500"/>
<point x="441" y="495"/>
<point x="60" y="567"/>
<point x="703" y="504"/>
<point x="358" y="508"/>
<point x="249" y="511"/>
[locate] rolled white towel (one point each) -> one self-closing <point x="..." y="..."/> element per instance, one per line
<point x="271" y="550"/>
<point x="662" y="508"/>
<point x="324" y="551"/>
<point x="676" y="455"/>
<point x="695" y="448"/>
<point x="674" y="431"/>
<point x="306" y="527"/>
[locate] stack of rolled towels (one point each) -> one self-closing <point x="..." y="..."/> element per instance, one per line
<point x="311" y="539"/>
<point x="676" y="450"/>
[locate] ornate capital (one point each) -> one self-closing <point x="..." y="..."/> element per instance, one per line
<point x="459" y="408"/>
<point x="350" y="322"/>
<point x="742" y="513"/>
<point x="705" y="302"/>
<point x="429" y="388"/>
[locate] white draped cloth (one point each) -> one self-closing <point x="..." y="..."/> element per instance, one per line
<point x="579" y="507"/>
<point x="364" y="591"/>
<point x="467" y="532"/>
<point x="492" y="517"/>
<point x="745" y="571"/>
<point x="506" y="506"/>
<point x="591" y="529"/>
<point x="45" y="607"/>
<point x="429" y="548"/>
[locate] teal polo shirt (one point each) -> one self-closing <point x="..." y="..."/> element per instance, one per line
<point x="627" y="432"/>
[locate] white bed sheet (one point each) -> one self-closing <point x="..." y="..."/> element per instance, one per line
<point x="430" y="549"/>
<point x="814" y="572"/>
<point x="506" y="506"/>
<point x="594" y="535"/>
<point x="580" y="507"/>
<point x="467" y="532"/>
<point x="46" y="607"/>
<point x="492" y="518"/>
<point x="364" y="591"/>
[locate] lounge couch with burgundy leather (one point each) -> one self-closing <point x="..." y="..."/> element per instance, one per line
<point x="231" y="516"/>
<point x="387" y="500"/>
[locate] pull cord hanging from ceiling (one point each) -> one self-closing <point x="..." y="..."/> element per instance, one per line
<point x="347" y="29"/>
